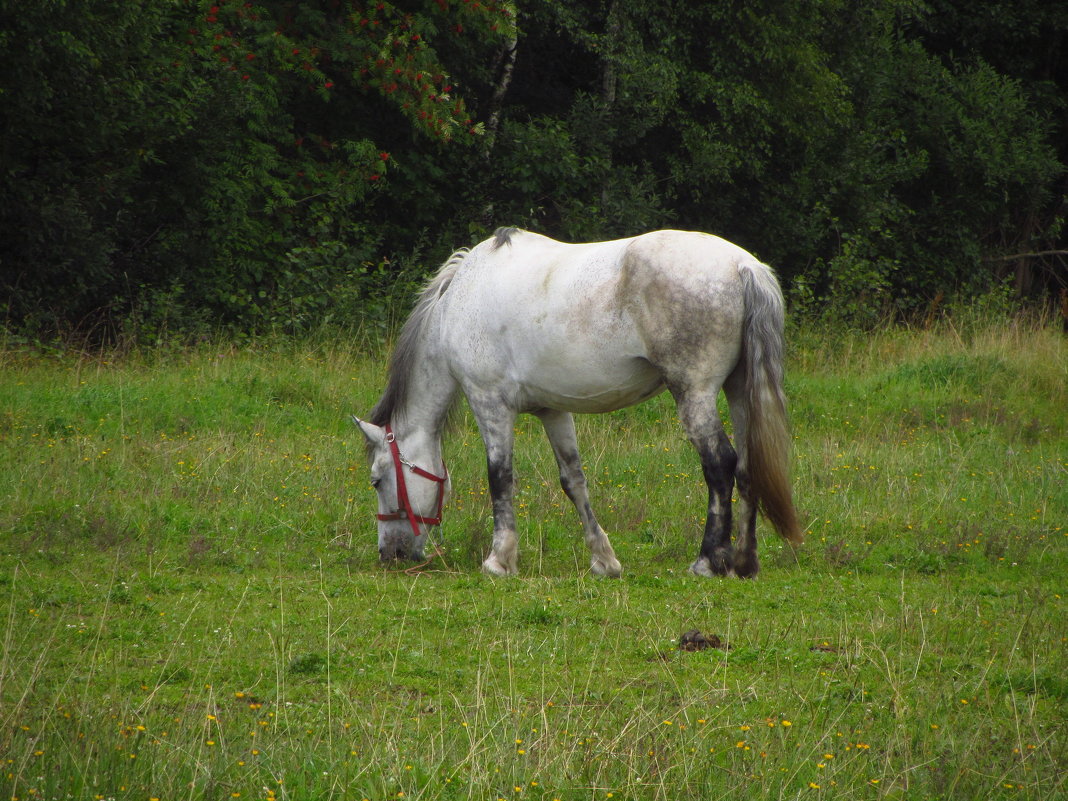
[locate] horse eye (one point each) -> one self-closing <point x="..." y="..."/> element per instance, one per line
<point x="376" y="483"/>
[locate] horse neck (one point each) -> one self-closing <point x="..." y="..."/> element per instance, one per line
<point x="420" y="418"/>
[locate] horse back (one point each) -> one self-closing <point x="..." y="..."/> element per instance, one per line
<point x="602" y="324"/>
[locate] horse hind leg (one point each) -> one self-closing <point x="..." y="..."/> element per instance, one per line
<point x="697" y="412"/>
<point x="746" y="564"/>
<point x="560" y="429"/>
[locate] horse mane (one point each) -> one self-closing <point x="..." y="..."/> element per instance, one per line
<point x="503" y="236"/>
<point x="402" y="361"/>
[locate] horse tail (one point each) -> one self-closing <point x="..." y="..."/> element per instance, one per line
<point x="767" y="434"/>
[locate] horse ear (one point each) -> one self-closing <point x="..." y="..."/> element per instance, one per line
<point x="374" y="435"/>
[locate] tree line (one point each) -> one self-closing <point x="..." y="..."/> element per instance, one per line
<point x="185" y="165"/>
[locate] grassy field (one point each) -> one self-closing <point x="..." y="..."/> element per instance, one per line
<point x="193" y="608"/>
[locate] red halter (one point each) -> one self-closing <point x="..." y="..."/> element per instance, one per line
<point x="406" y="511"/>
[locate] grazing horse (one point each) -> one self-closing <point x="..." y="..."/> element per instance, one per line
<point x="523" y="323"/>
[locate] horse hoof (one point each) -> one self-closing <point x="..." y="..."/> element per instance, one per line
<point x="608" y="569"/>
<point x="702" y="568"/>
<point x="711" y="568"/>
<point x="494" y="567"/>
<point x="746" y="568"/>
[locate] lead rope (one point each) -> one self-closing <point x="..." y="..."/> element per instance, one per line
<point x="439" y="553"/>
<point x="417" y="570"/>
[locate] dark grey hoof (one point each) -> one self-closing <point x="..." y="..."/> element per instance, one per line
<point x="746" y="565"/>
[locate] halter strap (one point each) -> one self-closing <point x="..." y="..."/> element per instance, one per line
<point x="405" y="510"/>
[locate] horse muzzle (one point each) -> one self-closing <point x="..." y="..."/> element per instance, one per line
<point x="398" y="547"/>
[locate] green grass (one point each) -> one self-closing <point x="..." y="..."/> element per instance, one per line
<point x="193" y="608"/>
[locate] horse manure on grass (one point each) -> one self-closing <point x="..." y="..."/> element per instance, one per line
<point x="694" y="640"/>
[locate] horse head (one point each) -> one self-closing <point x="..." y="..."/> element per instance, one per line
<point x="410" y="497"/>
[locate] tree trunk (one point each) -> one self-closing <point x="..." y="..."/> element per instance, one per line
<point x="505" y="67"/>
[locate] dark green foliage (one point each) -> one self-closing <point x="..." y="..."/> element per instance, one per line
<point x="189" y="164"/>
<point x="84" y="109"/>
<point x="175" y="166"/>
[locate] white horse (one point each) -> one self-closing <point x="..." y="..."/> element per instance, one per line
<point x="522" y="323"/>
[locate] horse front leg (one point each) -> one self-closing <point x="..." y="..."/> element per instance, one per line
<point x="560" y="428"/>
<point x="498" y="433"/>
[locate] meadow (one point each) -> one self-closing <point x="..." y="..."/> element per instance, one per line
<point x="193" y="607"/>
